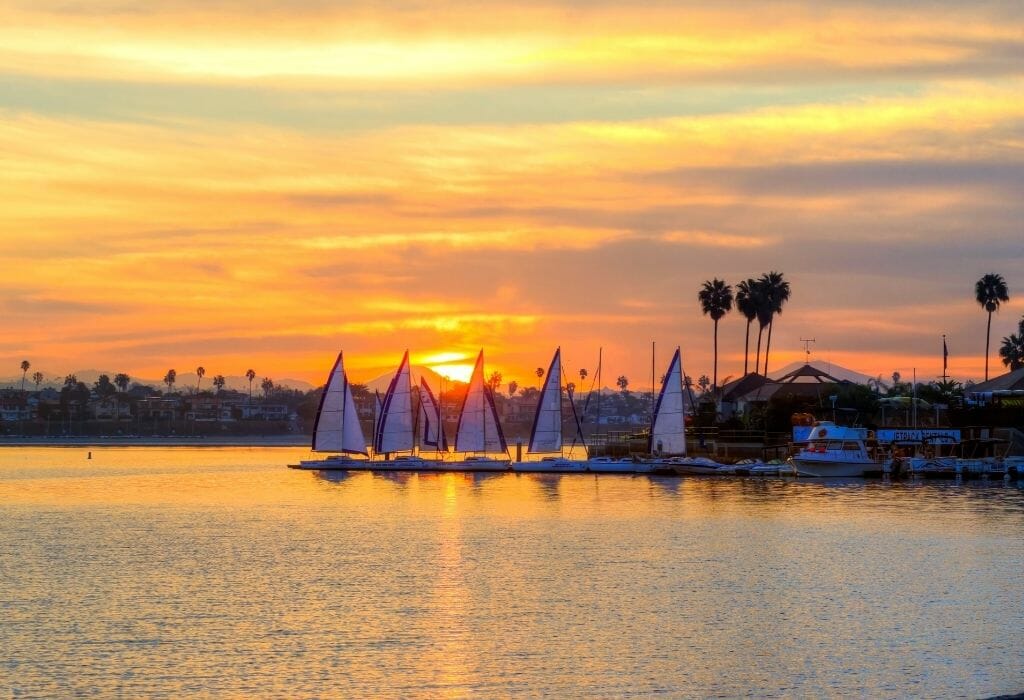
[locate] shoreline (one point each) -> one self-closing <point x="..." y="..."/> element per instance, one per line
<point x="150" y="441"/>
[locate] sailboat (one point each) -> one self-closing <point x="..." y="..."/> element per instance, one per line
<point x="431" y="426"/>
<point x="337" y="430"/>
<point x="668" y="424"/>
<point x="479" y="431"/>
<point x="546" y="433"/>
<point x="395" y="431"/>
<point x="606" y="464"/>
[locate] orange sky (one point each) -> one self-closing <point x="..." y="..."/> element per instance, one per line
<point x="261" y="184"/>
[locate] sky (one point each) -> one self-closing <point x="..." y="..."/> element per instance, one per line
<point x="261" y="184"/>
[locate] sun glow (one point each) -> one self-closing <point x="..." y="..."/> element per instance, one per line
<point x="458" y="371"/>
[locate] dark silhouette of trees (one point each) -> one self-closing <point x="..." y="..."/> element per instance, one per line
<point x="746" y="303"/>
<point x="715" y="299"/>
<point x="989" y="292"/>
<point x="494" y="381"/>
<point x="513" y="386"/>
<point x="25" y="365"/>
<point x="268" y="386"/>
<point x="169" y="379"/>
<point x="37" y="377"/>
<point x="200" y="373"/>
<point x="250" y="374"/>
<point x="1012" y="350"/>
<point x="121" y="381"/>
<point x="776" y="293"/>
<point x="219" y="382"/>
<point x="623" y="383"/>
<point x="104" y="387"/>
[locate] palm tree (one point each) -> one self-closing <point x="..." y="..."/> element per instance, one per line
<point x="122" y="381"/>
<point x="715" y="299"/>
<point x="989" y="291"/>
<point x="494" y="381"/>
<point x="200" y="373"/>
<point x="250" y="374"/>
<point x="513" y="387"/>
<point x="219" y="382"/>
<point x="746" y="304"/>
<point x="38" y="379"/>
<point x="1012" y="350"/>
<point x="759" y="295"/>
<point x="169" y="379"/>
<point x="267" y="385"/>
<point x="25" y="364"/>
<point x="623" y="382"/>
<point x="776" y="291"/>
<point x="540" y="373"/>
<point x="583" y="374"/>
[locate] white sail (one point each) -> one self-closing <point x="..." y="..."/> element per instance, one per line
<point x="668" y="433"/>
<point x="546" y="435"/>
<point x="395" y="428"/>
<point x="431" y="430"/>
<point x="337" y="426"/>
<point x="479" y="429"/>
<point x="352" y="440"/>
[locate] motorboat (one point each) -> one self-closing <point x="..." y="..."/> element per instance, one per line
<point x="837" y="451"/>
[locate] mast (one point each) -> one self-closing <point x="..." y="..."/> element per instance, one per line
<point x="652" y="387"/>
<point x="597" y="427"/>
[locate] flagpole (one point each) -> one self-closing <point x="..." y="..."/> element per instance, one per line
<point x="945" y="359"/>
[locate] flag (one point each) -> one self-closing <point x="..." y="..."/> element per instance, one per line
<point x="945" y="356"/>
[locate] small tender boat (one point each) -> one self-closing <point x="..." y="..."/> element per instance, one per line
<point x="696" y="466"/>
<point x="832" y="450"/>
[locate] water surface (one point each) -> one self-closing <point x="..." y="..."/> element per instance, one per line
<point x="174" y="571"/>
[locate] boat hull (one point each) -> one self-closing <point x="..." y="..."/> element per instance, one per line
<point x="833" y="468"/>
<point x="554" y="466"/>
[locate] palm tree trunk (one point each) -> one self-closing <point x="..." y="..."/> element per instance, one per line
<point x="714" y="382"/>
<point x="757" y="360"/>
<point x="768" y="346"/>
<point x="988" y="337"/>
<point x="746" y="350"/>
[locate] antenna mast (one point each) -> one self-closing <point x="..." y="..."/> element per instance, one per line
<point x="807" y="348"/>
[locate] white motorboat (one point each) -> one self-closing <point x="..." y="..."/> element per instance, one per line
<point x="836" y="451"/>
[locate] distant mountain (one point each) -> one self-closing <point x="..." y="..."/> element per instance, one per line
<point x="835" y="370"/>
<point x="382" y="382"/>
<point x="184" y="381"/>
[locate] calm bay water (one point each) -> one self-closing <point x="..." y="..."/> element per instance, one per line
<point x="167" y="572"/>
